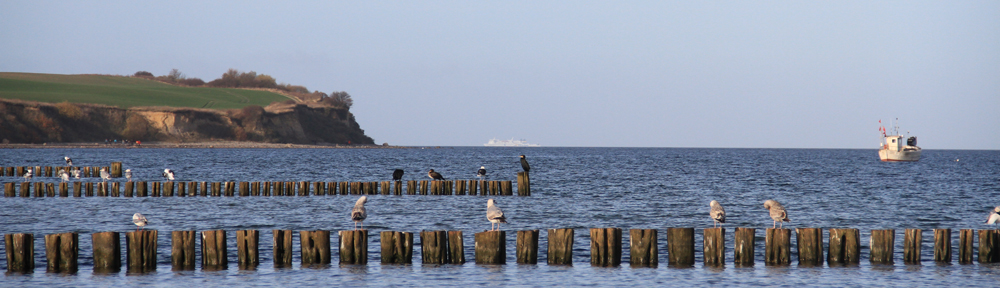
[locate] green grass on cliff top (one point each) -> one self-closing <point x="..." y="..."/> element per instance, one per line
<point x="125" y="92"/>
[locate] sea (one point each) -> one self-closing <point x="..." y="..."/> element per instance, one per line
<point x="579" y="188"/>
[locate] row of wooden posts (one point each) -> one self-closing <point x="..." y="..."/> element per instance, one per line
<point x="115" y="170"/>
<point x="302" y="188"/>
<point x="447" y="247"/>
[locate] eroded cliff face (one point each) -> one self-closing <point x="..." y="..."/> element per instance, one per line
<point x="35" y="122"/>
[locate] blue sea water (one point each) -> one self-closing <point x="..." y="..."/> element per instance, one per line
<point x="581" y="188"/>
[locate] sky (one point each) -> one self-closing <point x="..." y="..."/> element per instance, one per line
<point x="738" y="74"/>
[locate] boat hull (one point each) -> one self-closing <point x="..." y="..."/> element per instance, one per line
<point x="903" y="156"/>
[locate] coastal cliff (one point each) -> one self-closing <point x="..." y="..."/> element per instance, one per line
<point x="299" y="123"/>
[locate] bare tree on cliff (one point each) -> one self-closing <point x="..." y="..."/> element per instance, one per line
<point x="340" y="98"/>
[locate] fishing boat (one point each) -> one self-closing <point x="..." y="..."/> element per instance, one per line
<point x="509" y="143"/>
<point x="894" y="149"/>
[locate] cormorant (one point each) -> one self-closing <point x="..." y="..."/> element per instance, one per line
<point x="524" y="164"/>
<point x="435" y="175"/>
<point x="397" y="175"/>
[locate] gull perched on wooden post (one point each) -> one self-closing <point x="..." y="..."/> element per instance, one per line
<point x="128" y="174"/>
<point x="139" y="220"/>
<point x="27" y="175"/>
<point x="105" y="176"/>
<point x="69" y="162"/>
<point x="169" y="174"/>
<point x="494" y="214"/>
<point x="994" y="217"/>
<point x="76" y="172"/>
<point x="63" y="175"/>
<point x="481" y="173"/>
<point x="777" y="212"/>
<point x="358" y="214"/>
<point x="717" y="213"/>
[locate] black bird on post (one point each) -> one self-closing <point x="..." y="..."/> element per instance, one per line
<point x="524" y="164"/>
<point x="397" y="175"/>
<point x="435" y="175"/>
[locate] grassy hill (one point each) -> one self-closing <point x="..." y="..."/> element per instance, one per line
<point x="125" y="92"/>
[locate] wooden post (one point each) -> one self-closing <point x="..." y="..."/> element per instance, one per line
<point x="911" y="246"/>
<point x="180" y="189"/>
<point x="88" y="189"/>
<point x="680" y="247"/>
<point x="168" y="189"/>
<point x="282" y="248"/>
<point x="942" y="245"/>
<point x="192" y="189"/>
<point x="246" y="249"/>
<point x="63" y="189"/>
<point x="744" y="241"/>
<point x="39" y="189"/>
<point x="523" y="184"/>
<point x="527" y="246"/>
<point x="965" y="250"/>
<point x="214" y="254"/>
<point x="491" y="247"/>
<point x="230" y="189"/>
<point x="456" y="247"/>
<point x="472" y="186"/>
<point x="397" y="188"/>
<point x="254" y="188"/>
<point x="385" y="187"/>
<point x="506" y="187"/>
<point x="50" y="189"/>
<point x="129" y="188"/>
<point x="844" y="247"/>
<point x="8" y="189"/>
<point x="434" y="247"/>
<point x="25" y="189"/>
<point x="155" y="192"/>
<point x="644" y="248"/>
<point x="216" y="189"/>
<point x="140" y="247"/>
<point x="182" y="250"/>
<point x="290" y="189"/>
<point x="397" y="247"/>
<point x="460" y="187"/>
<point x="345" y="188"/>
<point x="20" y="249"/>
<point x="48" y="171"/>
<point x="411" y="187"/>
<point x="107" y="252"/>
<point x="115" y="189"/>
<point x="116" y="169"/>
<point x="714" y="247"/>
<point x="777" y="246"/>
<point x="423" y="187"/>
<point x="606" y="246"/>
<point x="315" y="247"/>
<point x="303" y="188"/>
<point x="560" y="246"/>
<point x="319" y="188"/>
<point x="809" y="243"/>
<point x="140" y="189"/>
<point x="203" y="187"/>
<point x="989" y="246"/>
<point x="265" y="188"/>
<point x="353" y="247"/>
<point x="61" y="251"/>
<point x="882" y="245"/>
<point x="331" y="188"/>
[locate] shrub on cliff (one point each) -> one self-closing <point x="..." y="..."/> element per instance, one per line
<point x="69" y="110"/>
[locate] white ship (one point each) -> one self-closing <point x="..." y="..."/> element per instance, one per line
<point x="893" y="148"/>
<point x="509" y="143"/>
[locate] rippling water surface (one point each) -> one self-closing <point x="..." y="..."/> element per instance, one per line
<point x="581" y="188"/>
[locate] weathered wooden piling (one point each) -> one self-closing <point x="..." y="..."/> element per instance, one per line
<point x="965" y="250"/>
<point x="25" y="190"/>
<point x="942" y="245"/>
<point x="491" y="247"/>
<point x="385" y="187"/>
<point x="77" y="189"/>
<point x="216" y="189"/>
<point x="523" y="184"/>
<point x="560" y="246"/>
<point x="644" y="248"/>
<point x="230" y="189"/>
<point x="911" y="246"/>
<point x="743" y="246"/>
<point x="10" y="171"/>
<point x="434" y="247"/>
<point x="116" y="169"/>
<point x="140" y="247"/>
<point x="680" y="247"/>
<point x="319" y="188"/>
<point x="214" y="255"/>
<point x="315" y="247"/>
<point x="140" y="189"/>
<point x="246" y="249"/>
<point x="107" y="248"/>
<point x="397" y="188"/>
<point x="777" y="246"/>
<point x="88" y="189"/>
<point x="20" y="249"/>
<point x="714" y="246"/>
<point x="282" y="248"/>
<point x="155" y="189"/>
<point x="397" y="247"/>
<point x="527" y="246"/>
<point x="809" y="244"/>
<point x="39" y="189"/>
<point x="456" y="247"/>
<point x="472" y="187"/>
<point x="8" y="190"/>
<point x="254" y="188"/>
<point x="115" y="189"/>
<point x="192" y="189"/>
<point x="181" y="189"/>
<point x="460" y="187"/>
<point x="203" y="187"/>
<point x="845" y="247"/>
<point x="48" y="171"/>
<point x="989" y="246"/>
<point x="50" y="189"/>
<point x="102" y="189"/>
<point x="411" y="187"/>
<point x="303" y="188"/>
<point x="882" y="246"/>
<point x="62" y="251"/>
<point x="290" y="191"/>
<point x="64" y="189"/>
<point x="423" y="187"/>
<point x="182" y="250"/>
<point x="507" y="188"/>
<point x="353" y="247"/>
<point x="331" y="188"/>
<point x="606" y="246"/>
<point x="345" y="188"/>
<point x="168" y="189"/>
<point x="265" y="188"/>
<point x="129" y="187"/>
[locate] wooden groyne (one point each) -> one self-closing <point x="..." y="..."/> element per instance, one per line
<point x="447" y="248"/>
<point x="257" y="188"/>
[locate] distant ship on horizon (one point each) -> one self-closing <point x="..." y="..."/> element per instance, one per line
<point x="509" y="143"/>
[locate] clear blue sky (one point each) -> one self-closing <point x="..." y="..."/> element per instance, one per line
<point x="779" y="74"/>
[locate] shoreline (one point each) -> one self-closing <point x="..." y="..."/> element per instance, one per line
<point x="220" y="144"/>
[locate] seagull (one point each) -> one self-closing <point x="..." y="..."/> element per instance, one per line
<point x="435" y="175"/>
<point x="358" y="214"/>
<point x="717" y="213"/>
<point x="777" y="212"/>
<point x="169" y="174"/>
<point x="139" y="220"/>
<point x="128" y="174"/>
<point x="494" y="215"/>
<point x="105" y="176"/>
<point x="397" y="175"/>
<point x="63" y="175"/>
<point x="27" y="175"/>
<point x="524" y="164"/>
<point x="994" y="217"/>
<point x="68" y="161"/>
<point x="76" y="172"/>
<point x="482" y="172"/>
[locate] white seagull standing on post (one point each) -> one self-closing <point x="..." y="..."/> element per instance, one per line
<point x="128" y="174"/>
<point x="777" y="212"/>
<point x="169" y="174"/>
<point x="494" y="214"/>
<point x="717" y="213"/>
<point x="994" y="217"/>
<point x="27" y="175"/>
<point x="76" y="172"/>
<point x="68" y="161"/>
<point x="139" y="220"/>
<point x="358" y="214"/>
<point x="63" y="175"/>
<point x="105" y="176"/>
